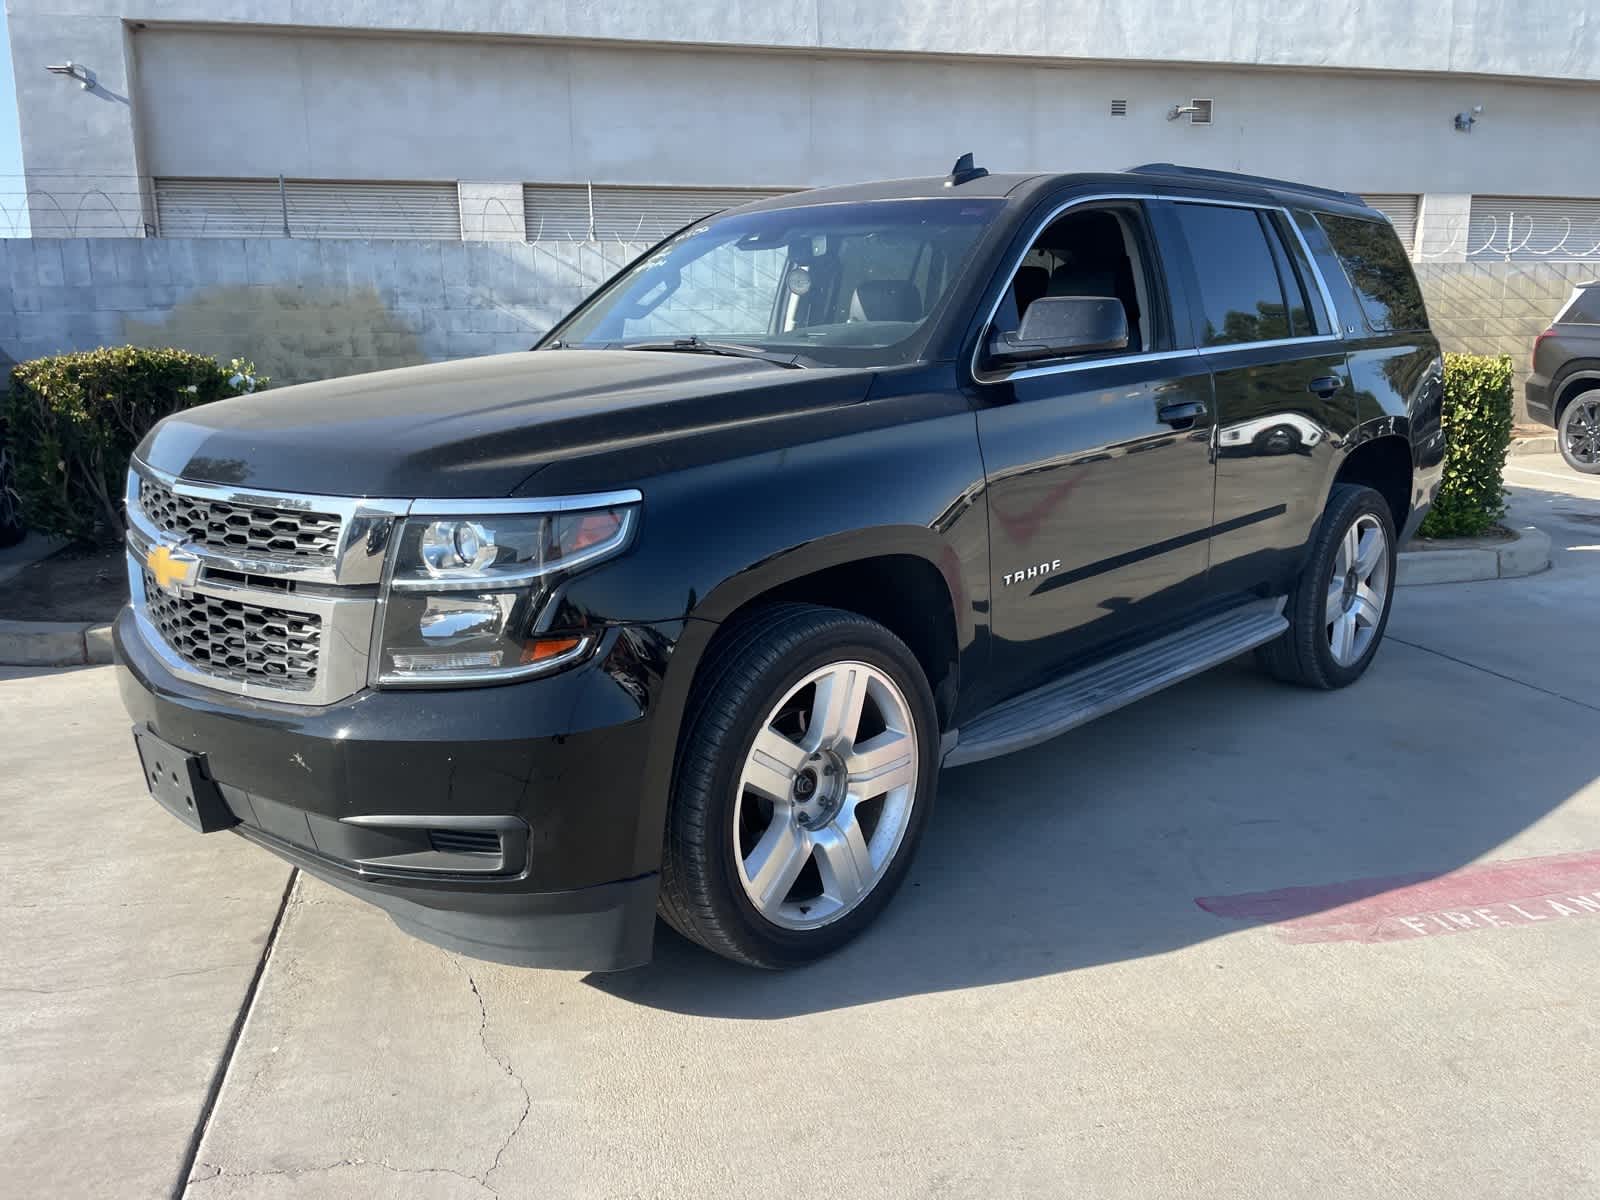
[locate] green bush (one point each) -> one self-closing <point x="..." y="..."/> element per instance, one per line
<point x="75" y="419"/>
<point x="1477" y="431"/>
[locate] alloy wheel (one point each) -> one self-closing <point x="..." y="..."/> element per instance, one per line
<point x="825" y="795"/>
<point x="1582" y="431"/>
<point x="1357" y="590"/>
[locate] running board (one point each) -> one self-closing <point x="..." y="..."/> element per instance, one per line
<point x="1066" y="703"/>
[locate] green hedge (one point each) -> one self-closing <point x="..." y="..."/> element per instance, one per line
<point x="75" y="418"/>
<point x="1477" y="432"/>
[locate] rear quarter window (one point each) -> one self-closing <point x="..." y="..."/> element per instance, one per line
<point x="1380" y="274"/>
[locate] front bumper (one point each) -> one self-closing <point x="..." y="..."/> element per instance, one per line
<point x="373" y="793"/>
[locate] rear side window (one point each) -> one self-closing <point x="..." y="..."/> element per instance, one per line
<point x="1581" y="308"/>
<point x="1241" y="289"/>
<point x="1376" y="265"/>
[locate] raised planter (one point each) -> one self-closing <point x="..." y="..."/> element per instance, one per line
<point x="1465" y="560"/>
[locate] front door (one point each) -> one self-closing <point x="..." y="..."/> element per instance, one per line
<point x="1099" y="472"/>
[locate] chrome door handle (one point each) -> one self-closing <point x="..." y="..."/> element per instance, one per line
<point x="1181" y="416"/>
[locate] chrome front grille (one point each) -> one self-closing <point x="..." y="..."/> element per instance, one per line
<point x="230" y="639"/>
<point x="275" y="594"/>
<point x="236" y="528"/>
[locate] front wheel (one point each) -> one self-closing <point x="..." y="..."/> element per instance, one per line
<point x="1579" y="433"/>
<point x="803" y="786"/>
<point x="1339" y="606"/>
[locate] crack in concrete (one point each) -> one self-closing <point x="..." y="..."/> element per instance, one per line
<point x="504" y="1065"/>
<point x="215" y="1171"/>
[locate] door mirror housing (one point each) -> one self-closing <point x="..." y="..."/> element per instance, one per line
<point x="1058" y="326"/>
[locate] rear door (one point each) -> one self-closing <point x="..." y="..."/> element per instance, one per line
<point x="1283" y="396"/>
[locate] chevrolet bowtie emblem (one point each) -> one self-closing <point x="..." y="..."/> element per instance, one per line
<point x="173" y="567"/>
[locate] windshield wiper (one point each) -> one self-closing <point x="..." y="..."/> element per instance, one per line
<point x="700" y="345"/>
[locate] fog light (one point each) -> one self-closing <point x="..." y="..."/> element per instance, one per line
<point x="478" y="661"/>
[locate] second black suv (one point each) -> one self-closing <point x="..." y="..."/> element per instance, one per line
<point x="683" y="611"/>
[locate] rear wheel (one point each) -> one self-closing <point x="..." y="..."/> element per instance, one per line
<point x="1579" y="433"/>
<point x="1339" y="607"/>
<point x="802" y="788"/>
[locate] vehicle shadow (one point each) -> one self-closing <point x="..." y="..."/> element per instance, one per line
<point x="1093" y="848"/>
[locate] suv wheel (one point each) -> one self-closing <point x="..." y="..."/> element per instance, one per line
<point x="1339" y="607"/>
<point x="1579" y="433"/>
<point x="802" y="788"/>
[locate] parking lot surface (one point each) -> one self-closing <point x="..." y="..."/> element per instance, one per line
<point x="1235" y="941"/>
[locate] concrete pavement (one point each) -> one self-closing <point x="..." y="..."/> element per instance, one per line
<point x="126" y="950"/>
<point x="1045" y="1010"/>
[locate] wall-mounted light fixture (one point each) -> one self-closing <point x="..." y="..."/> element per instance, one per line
<point x="1466" y="120"/>
<point x="73" y="70"/>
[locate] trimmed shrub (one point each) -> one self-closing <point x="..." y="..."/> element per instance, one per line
<point x="1477" y="433"/>
<point x="74" y="420"/>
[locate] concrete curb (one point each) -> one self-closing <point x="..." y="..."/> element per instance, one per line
<point x="1544" y="443"/>
<point x="54" y="643"/>
<point x="1525" y="554"/>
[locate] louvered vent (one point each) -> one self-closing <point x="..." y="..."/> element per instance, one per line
<point x="315" y="209"/>
<point x="562" y="212"/>
<point x="464" y="841"/>
<point x="1119" y="108"/>
<point x="1401" y="209"/>
<point x="1202" y="112"/>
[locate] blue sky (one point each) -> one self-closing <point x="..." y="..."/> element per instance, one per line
<point x="11" y="188"/>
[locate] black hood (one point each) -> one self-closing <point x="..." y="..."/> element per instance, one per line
<point x="480" y="427"/>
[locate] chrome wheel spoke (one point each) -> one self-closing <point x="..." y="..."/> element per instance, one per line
<point x="772" y="766"/>
<point x="1369" y="552"/>
<point x="1344" y="637"/>
<point x="836" y="710"/>
<point x="882" y="764"/>
<point x="1368" y="607"/>
<point x="777" y="861"/>
<point x="1335" y="603"/>
<point x="843" y="859"/>
<point x="1349" y="549"/>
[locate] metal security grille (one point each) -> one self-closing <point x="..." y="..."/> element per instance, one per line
<point x="578" y="212"/>
<point x="315" y="209"/>
<point x="1401" y="210"/>
<point x="237" y="529"/>
<point x="1534" y="227"/>
<point x="245" y="642"/>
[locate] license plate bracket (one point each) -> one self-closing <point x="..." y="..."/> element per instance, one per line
<point x="181" y="784"/>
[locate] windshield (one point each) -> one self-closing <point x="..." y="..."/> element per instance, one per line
<point x="843" y="283"/>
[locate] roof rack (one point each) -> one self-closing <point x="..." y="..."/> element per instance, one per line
<point x="1162" y="168"/>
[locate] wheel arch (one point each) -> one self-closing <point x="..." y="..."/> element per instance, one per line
<point x="908" y="580"/>
<point x="1574" y="384"/>
<point x="1383" y="462"/>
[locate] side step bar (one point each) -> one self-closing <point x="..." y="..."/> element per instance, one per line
<point x="1105" y="686"/>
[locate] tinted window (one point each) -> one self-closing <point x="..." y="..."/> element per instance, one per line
<point x="1241" y="299"/>
<point x="1292" y="273"/>
<point x="1376" y="265"/>
<point x="852" y="284"/>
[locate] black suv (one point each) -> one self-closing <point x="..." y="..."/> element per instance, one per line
<point x="683" y="611"/>
<point x="1564" y="389"/>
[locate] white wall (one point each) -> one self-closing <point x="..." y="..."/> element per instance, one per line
<point x="314" y="106"/>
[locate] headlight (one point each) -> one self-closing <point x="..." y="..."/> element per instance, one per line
<point x="465" y="593"/>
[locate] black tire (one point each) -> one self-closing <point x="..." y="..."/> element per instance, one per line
<point x="753" y="668"/>
<point x="1303" y="655"/>
<point x="1581" y="413"/>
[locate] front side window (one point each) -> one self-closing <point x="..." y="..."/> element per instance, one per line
<point x="1376" y="265"/>
<point x="1241" y="289"/>
<point x="848" y="283"/>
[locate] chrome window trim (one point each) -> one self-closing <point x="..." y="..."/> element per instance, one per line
<point x="980" y="376"/>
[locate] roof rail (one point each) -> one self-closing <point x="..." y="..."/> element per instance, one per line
<point x="1162" y="168"/>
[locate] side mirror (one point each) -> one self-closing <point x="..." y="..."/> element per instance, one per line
<point x="1057" y="326"/>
